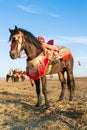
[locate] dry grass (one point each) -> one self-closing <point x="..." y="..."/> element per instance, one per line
<point x="17" y="110"/>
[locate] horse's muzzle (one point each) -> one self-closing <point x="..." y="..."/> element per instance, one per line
<point x="14" y="55"/>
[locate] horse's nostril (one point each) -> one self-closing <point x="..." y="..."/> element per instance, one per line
<point x="12" y="55"/>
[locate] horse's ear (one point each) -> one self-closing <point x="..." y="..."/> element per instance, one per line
<point x="10" y="30"/>
<point x="16" y="27"/>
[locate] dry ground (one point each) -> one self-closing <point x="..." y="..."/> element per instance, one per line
<point x="17" y="110"/>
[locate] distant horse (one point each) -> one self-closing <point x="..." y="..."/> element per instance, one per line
<point x="39" y="64"/>
<point x="9" y="76"/>
<point x="18" y="75"/>
<point x="22" y="75"/>
<point x="15" y="76"/>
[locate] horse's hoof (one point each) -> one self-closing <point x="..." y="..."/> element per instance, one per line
<point x="60" y="99"/>
<point x="47" y="105"/>
<point x="70" y="99"/>
<point x="37" y="105"/>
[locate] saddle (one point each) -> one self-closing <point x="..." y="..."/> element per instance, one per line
<point x="50" y="42"/>
<point x="63" y="54"/>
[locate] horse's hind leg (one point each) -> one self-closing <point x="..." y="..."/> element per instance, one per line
<point x="37" y="83"/>
<point x="63" y="85"/>
<point x="71" y="85"/>
<point x="70" y="78"/>
<point x="44" y="89"/>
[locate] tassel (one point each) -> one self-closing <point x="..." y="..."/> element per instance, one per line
<point x="31" y="81"/>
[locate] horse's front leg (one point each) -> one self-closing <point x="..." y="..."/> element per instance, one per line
<point x="44" y="89"/>
<point x="63" y="85"/>
<point x="39" y="100"/>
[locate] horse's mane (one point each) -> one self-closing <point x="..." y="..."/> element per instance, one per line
<point x="31" y="38"/>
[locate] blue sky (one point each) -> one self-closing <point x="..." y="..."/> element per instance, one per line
<point x="65" y="21"/>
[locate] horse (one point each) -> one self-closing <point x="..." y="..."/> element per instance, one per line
<point x="39" y="63"/>
<point x="18" y="75"/>
<point x="9" y="76"/>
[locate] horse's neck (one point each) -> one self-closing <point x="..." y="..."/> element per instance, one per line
<point x="31" y="51"/>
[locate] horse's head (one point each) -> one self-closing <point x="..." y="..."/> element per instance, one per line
<point x="23" y="40"/>
<point x="16" y="39"/>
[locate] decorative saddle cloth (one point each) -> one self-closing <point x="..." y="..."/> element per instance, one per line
<point x="63" y="54"/>
<point x="37" y="67"/>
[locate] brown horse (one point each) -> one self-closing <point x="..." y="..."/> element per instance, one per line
<point x="9" y="76"/>
<point x="39" y="63"/>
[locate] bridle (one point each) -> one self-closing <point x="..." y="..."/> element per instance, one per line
<point x="20" y="39"/>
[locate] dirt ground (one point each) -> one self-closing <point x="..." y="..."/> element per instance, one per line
<point x="18" y="111"/>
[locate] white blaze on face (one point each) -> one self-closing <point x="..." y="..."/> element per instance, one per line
<point x="19" y="38"/>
